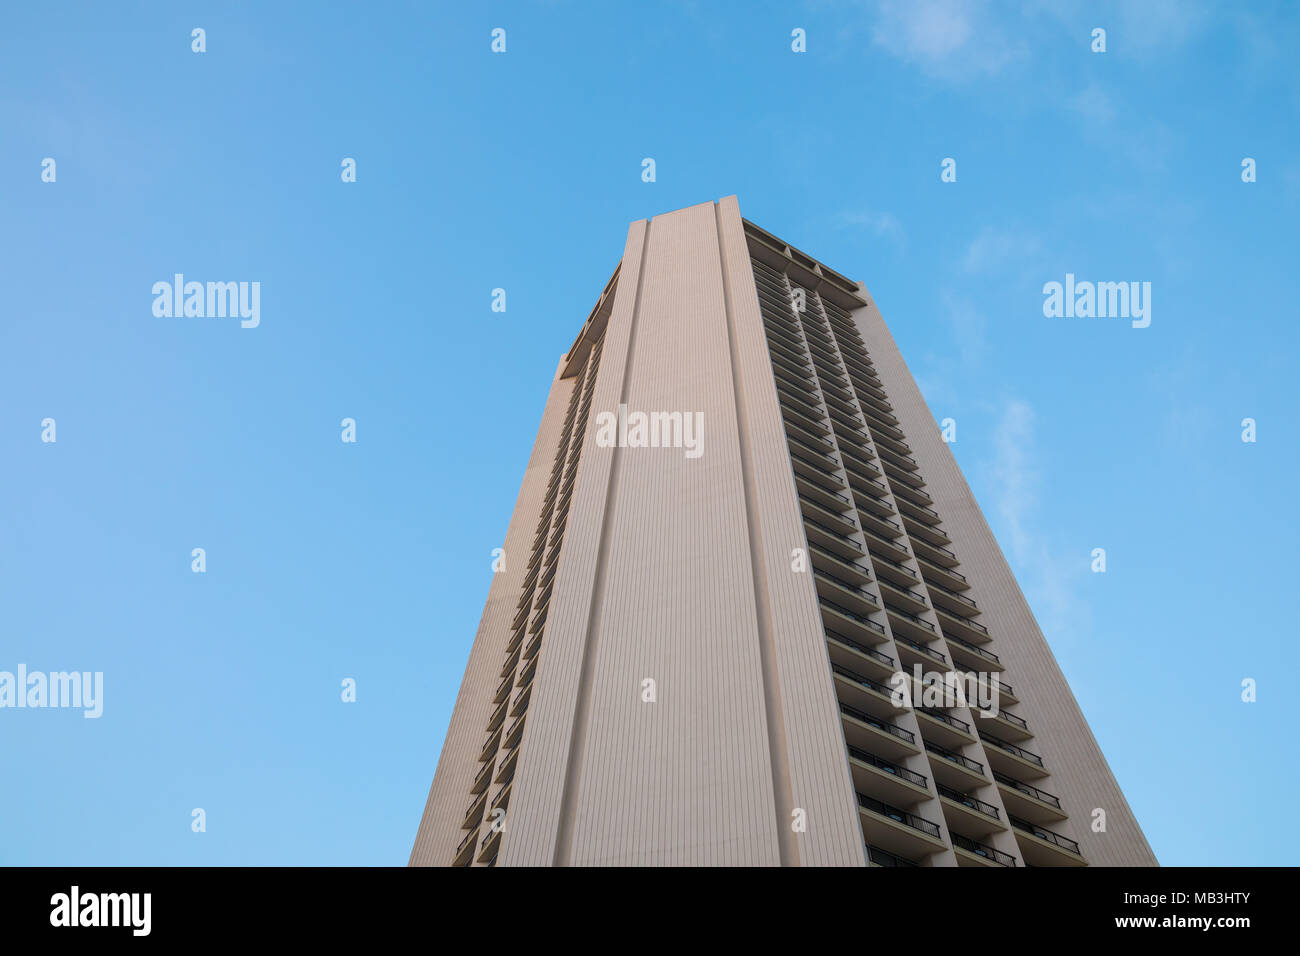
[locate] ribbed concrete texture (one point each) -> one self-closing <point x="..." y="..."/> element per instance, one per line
<point x="742" y="567"/>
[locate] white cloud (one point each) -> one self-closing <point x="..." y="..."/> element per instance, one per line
<point x="952" y="39"/>
<point x="880" y="224"/>
<point x="1044" y="576"/>
<point x="1094" y="105"/>
<point x="993" y="248"/>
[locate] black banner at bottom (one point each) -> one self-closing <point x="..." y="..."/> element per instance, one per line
<point x="90" y="905"/>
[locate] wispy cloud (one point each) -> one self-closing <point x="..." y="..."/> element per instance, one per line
<point x="996" y="248"/>
<point x="950" y="39"/>
<point x="1045" y="576"/>
<point x="880" y="224"/>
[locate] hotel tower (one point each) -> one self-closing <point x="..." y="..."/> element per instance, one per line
<point x="741" y="643"/>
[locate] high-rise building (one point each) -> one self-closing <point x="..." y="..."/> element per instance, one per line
<point x="741" y="552"/>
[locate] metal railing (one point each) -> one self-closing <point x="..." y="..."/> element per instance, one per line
<point x="956" y="758"/>
<point x="983" y="849"/>
<point x="1064" y="843"/>
<point x="889" y="767"/>
<point x="879" y="724"/>
<point x="1012" y="749"/>
<point x="898" y="815"/>
<point x="967" y="800"/>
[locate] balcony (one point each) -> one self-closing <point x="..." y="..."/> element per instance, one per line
<point x="507" y="771"/>
<point x="885" y="423"/>
<point x="826" y="516"/>
<point x="943" y="728"/>
<point x="831" y="540"/>
<point x="808" y="424"/>
<point x="853" y="655"/>
<point x="502" y="799"/>
<point x="844" y="593"/>
<point x="854" y="572"/>
<point x="503" y="689"/>
<point x="916" y="652"/>
<point x="810" y="471"/>
<point x="905" y="623"/>
<point x="474" y="812"/>
<point x="490" y="745"/>
<point x="1010" y="726"/>
<point x="899" y="475"/>
<point x="841" y="619"/>
<point x="491" y="846"/>
<point x="876" y="524"/>
<point x="969" y="813"/>
<point x="916" y="495"/>
<point x="902" y="598"/>
<point x="902" y="462"/>
<point x="878" y="857"/>
<point x="820" y="456"/>
<point x="481" y="778"/>
<point x="1042" y="847"/>
<point x="895" y="830"/>
<point x="870" y="733"/>
<point x="973" y="853"/>
<point x="954" y="770"/>
<point x="975" y="657"/>
<point x="934" y="555"/>
<point x="894" y="550"/>
<point x="864" y="693"/>
<point x="823" y="496"/>
<point x="892" y="445"/>
<point x="1011" y="760"/>
<point x="950" y="600"/>
<point x="510" y="663"/>
<point x="516" y="731"/>
<point x="886" y="780"/>
<point x="972" y="632"/>
<point x="931" y="534"/>
<point x="465" y="851"/>
<point x="1027" y="801"/>
<point x="894" y="572"/>
<point x="857" y="465"/>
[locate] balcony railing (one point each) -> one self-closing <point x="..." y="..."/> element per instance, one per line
<point x="948" y="719"/>
<point x="876" y="722"/>
<point x="898" y="815"/>
<point x="967" y="800"/>
<point x="917" y="646"/>
<point x="859" y="647"/>
<point x="1064" y="843"/>
<point x="956" y="758"/>
<point x="866" y="682"/>
<point x="881" y="857"/>
<point x="1012" y="749"/>
<point x="908" y="617"/>
<point x="987" y="655"/>
<point x="866" y="622"/>
<point x="881" y="764"/>
<point x="1025" y="788"/>
<point x="831" y="531"/>
<point x="854" y="589"/>
<point x="983" y="849"/>
<point x="1013" y="719"/>
<point x="865" y="571"/>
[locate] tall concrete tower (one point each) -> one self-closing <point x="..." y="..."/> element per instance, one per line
<point x="751" y="613"/>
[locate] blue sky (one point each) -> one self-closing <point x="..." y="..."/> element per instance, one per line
<point x="477" y="170"/>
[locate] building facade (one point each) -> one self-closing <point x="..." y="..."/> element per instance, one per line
<point x="743" y="581"/>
